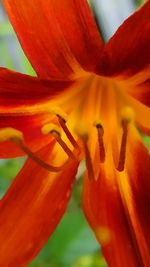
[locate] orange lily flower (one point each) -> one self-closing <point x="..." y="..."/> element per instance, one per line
<point x="88" y="101"/>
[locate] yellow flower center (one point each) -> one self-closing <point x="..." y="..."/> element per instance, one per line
<point x="93" y="120"/>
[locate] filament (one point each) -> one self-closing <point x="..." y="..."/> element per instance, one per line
<point x="100" y="132"/>
<point x="17" y="137"/>
<point x="63" y="144"/>
<point x="88" y="161"/>
<point x="39" y="161"/>
<point x="62" y="122"/>
<point x="122" y="155"/>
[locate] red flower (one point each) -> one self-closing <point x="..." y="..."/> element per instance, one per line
<point x="105" y="92"/>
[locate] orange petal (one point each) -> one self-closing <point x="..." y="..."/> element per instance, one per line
<point x="117" y="208"/>
<point x="32" y="208"/>
<point x="59" y="37"/>
<point x="19" y="90"/>
<point x="128" y="51"/>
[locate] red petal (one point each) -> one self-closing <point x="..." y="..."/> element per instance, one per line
<point x="128" y="51"/>
<point x="20" y="95"/>
<point x="117" y="208"/>
<point x="141" y="92"/>
<point x="142" y="113"/>
<point x="18" y="90"/>
<point x="31" y="210"/>
<point x="57" y="36"/>
<point x="139" y="174"/>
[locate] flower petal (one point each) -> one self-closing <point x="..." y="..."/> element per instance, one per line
<point x="59" y="37"/>
<point x="32" y="208"/>
<point x="17" y="89"/>
<point x="25" y="106"/>
<point x="128" y="51"/>
<point x="141" y="92"/>
<point x="116" y="206"/>
<point x="142" y="114"/>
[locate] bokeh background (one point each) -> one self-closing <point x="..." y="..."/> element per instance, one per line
<point x="73" y="243"/>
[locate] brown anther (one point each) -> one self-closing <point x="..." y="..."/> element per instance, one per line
<point x="122" y="155"/>
<point x="62" y="122"/>
<point x="100" y="132"/>
<point x="55" y="134"/>
<point x="61" y="118"/>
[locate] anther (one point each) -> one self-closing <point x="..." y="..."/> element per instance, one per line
<point x="122" y="155"/>
<point x="60" y="113"/>
<point x="55" y="132"/>
<point x="62" y="122"/>
<point x="127" y="114"/>
<point x="11" y="134"/>
<point x="100" y="133"/>
<point x="50" y="127"/>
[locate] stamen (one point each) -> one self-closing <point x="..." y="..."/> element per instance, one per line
<point x="88" y="161"/>
<point x="100" y="132"/>
<point x="49" y="127"/>
<point x="54" y="130"/>
<point x="127" y="116"/>
<point x="9" y="133"/>
<point x="82" y="130"/>
<point x="62" y="122"/>
<point x="40" y="162"/>
<point x="63" y="144"/>
<point x="123" y="146"/>
<point x="17" y="137"/>
<point x="60" y="113"/>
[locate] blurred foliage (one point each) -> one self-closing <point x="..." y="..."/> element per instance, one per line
<point x="8" y="170"/>
<point x="140" y="2"/>
<point x="147" y="141"/>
